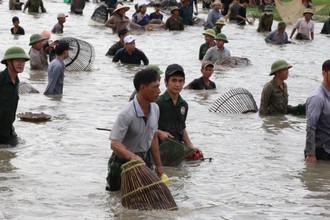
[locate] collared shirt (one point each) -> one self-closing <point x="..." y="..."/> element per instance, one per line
<point x="202" y="50"/>
<point x="58" y="28"/>
<point x="199" y="84"/>
<point x="55" y="77"/>
<point x="38" y="59"/>
<point x="114" y="48"/>
<point x="133" y="129"/>
<point x="172" y="117"/>
<point x="265" y="23"/>
<point x="212" y="17"/>
<point x="275" y="38"/>
<point x="274" y="99"/>
<point x="305" y="28"/>
<point x="135" y="58"/>
<point x="8" y="104"/>
<point x="318" y="121"/>
<point x="174" y="24"/>
<point x="214" y="53"/>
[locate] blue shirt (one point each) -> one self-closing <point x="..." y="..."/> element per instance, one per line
<point x="141" y="19"/>
<point x="135" y="58"/>
<point x="212" y="18"/>
<point x="55" y="77"/>
<point x="187" y="15"/>
<point x="318" y="121"/>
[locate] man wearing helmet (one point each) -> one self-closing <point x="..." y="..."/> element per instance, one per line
<point x="14" y="59"/>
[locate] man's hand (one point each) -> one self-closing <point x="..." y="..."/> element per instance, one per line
<point x="159" y="170"/>
<point x="163" y="134"/>
<point x="311" y="159"/>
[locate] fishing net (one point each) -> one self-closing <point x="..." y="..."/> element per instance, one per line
<point x="81" y="57"/>
<point x="142" y="189"/>
<point x="173" y="152"/>
<point x="100" y="14"/>
<point x="233" y="62"/>
<point x="291" y="11"/>
<point x="25" y="88"/>
<point x="237" y="101"/>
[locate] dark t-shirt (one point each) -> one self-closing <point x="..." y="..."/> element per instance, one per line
<point x="20" y="31"/>
<point x="199" y="84"/>
<point x="241" y="12"/>
<point x="135" y="58"/>
<point x="153" y="15"/>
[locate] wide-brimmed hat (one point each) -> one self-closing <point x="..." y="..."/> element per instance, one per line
<point x="14" y="53"/>
<point x="209" y="32"/>
<point x="120" y="6"/>
<point x="268" y="8"/>
<point x="279" y="65"/>
<point x="174" y="8"/>
<point x="173" y="68"/>
<point x="35" y="38"/>
<point x="220" y="21"/>
<point x="281" y="24"/>
<point x="308" y="10"/>
<point x="221" y="36"/>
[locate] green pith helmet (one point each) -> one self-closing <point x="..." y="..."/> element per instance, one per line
<point x="268" y="8"/>
<point x="209" y="32"/>
<point x="221" y="36"/>
<point x="279" y="65"/>
<point x="156" y="68"/>
<point x="308" y="10"/>
<point x="220" y="21"/>
<point x="14" y="53"/>
<point x="281" y="24"/>
<point x="35" y="38"/>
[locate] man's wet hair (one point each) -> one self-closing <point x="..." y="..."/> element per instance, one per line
<point x="145" y="77"/>
<point x="326" y="66"/>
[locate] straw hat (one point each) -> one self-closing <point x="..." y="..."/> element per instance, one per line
<point x="279" y="65"/>
<point x="119" y="7"/>
<point x="308" y="10"/>
<point x="209" y="32"/>
<point x="221" y="36"/>
<point x="14" y="53"/>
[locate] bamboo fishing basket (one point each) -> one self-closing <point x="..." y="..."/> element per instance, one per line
<point x="142" y="189"/>
<point x="237" y="101"/>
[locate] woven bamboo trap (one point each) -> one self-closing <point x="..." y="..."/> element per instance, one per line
<point x="172" y="152"/>
<point x="34" y="117"/>
<point x="25" y="88"/>
<point x="81" y="57"/>
<point x="237" y="101"/>
<point x="100" y="14"/>
<point x="142" y="189"/>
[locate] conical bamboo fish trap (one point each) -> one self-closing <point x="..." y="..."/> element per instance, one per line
<point x="237" y="100"/>
<point x="81" y="57"/>
<point x="142" y="189"/>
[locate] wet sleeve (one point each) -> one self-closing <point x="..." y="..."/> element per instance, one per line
<point x="265" y="98"/>
<point x="314" y="108"/>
